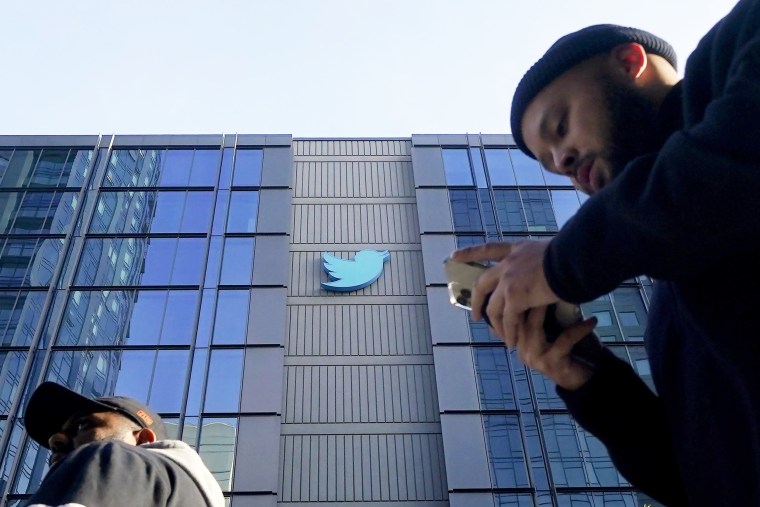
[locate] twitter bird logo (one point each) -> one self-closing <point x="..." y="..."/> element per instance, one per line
<point x="347" y="276"/>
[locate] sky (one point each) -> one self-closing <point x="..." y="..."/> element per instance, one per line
<point x="310" y="68"/>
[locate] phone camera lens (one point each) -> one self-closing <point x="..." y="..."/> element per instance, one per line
<point x="463" y="300"/>
<point x="466" y="293"/>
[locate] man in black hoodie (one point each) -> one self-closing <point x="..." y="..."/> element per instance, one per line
<point x="110" y="452"/>
<point x="673" y="170"/>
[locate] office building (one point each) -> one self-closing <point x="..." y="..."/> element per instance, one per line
<point x="186" y="271"/>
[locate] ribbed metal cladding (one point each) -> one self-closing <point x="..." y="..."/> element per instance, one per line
<point x="361" y="420"/>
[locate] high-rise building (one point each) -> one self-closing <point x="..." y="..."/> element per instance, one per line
<point x="186" y="271"/>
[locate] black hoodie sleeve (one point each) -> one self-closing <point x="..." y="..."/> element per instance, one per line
<point x="627" y="417"/>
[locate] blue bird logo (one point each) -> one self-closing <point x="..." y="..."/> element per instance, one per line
<point x="347" y="276"/>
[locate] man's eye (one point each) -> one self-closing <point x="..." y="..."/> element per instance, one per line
<point x="561" y="127"/>
<point x="83" y="425"/>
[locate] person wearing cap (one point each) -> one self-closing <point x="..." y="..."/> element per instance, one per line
<point x="112" y="451"/>
<point x="673" y="171"/>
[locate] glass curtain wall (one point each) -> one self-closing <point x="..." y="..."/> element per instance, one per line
<point x="538" y="455"/>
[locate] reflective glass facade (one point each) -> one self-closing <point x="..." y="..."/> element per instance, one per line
<point x="184" y="271"/>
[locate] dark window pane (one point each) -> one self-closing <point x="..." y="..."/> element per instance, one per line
<point x="509" y="210"/>
<point x="538" y="210"/>
<point x="225" y="375"/>
<point x="11" y="368"/>
<point x="631" y="312"/>
<point x="76" y="169"/>
<point x="175" y="170"/>
<point x="243" y="209"/>
<point x="492" y="368"/>
<point x="214" y="258"/>
<point x="20" y="313"/>
<point x="120" y="212"/>
<point x="465" y="211"/>
<point x="607" y="327"/>
<point x="197" y="214"/>
<point x="20" y="167"/>
<point x="237" y="264"/>
<point x="5" y="159"/>
<point x="205" y="168"/>
<point x="499" y="167"/>
<point x="248" y="168"/>
<point x="193" y="407"/>
<point x="49" y="168"/>
<point x="640" y="363"/>
<point x="513" y="500"/>
<point x="505" y="451"/>
<point x="478" y="167"/>
<point x="225" y="175"/>
<point x="169" y="380"/>
<point x="231" y="321"/>
<point x="188" y="264"/>
<point x="32" y="469"/>
<point x="527" y="170"/>
<point x="217" y="448"/>
<point x="456" y="163"/>
<point x="96" y="318"/>
<point x="179" y="319"/>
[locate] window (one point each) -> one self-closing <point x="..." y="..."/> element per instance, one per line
<point x="237" y="262"/>
<point x="465" y="212"/>
<point x="527" y="170"/>
<point x="538" y="210"/>
<point x="243" y="210"/>
<point x="20" y="313"/>
<point x="499" y="167"/>
<point x="456" y="164"/>
<point x="217" y="448"/>
<point x="479" y="168"/>
<point x="36" y="212"/>
<point x="231" y="322"/>
<point x="248" y="164"/>
<point x="494" y="380"/>
<point x="505" y="451"/>
<point x="223" y="384"/>
<point x="175" y="169"/>
<point x="509" y="211"/>
<point x="565" y="205"/>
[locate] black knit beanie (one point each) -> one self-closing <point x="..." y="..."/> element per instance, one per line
<point x="571" y="50"/>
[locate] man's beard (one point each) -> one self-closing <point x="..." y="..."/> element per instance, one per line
<point x="631" y="129"/>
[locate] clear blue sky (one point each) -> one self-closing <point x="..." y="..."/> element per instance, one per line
<point x="311" y="68"/>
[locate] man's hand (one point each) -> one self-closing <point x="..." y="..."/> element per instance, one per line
<point x="554" y="359"/>
<point x="516" y="284"/>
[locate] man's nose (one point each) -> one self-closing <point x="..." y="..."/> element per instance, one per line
<point x="59" y="442"/>
<point x="564" y="160"/>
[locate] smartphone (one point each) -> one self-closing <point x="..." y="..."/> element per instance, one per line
<point x="461" y="280"/>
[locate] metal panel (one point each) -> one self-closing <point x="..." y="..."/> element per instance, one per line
<point x="434" y="210"/>
<point x="52" y="141"/>
<point x="360" y="394"/>
<point x="274" y="211"/>
<point x="452" y="139"/>
<point x="254" y="501"/>
<point x="262" y="380"/>
<point x="466" y="459"/>
<point x="403" y="275"/>
<point x="455" y="377"/>
<point x="267" y="316"/>
<point x="270" y="266"/>
<point x="498" y="140"/>
<point x="471" y="499"/>
<point x="277" y="167"/>
<point x="428" y="167"/>
<point x="257" y="456"/>
<point x="362" y="468"/>
<point x="434" y="249"/>
<point x="354" y="179"/>
<point x="448" y="324"/>
<point x="348" y="147"/>
<point x="358" y="330"/>
<point x="355" y="223"/>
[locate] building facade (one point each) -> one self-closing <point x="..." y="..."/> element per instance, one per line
<point x="185" y="271"/>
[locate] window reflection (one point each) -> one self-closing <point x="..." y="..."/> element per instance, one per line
<point x="538" y="211"/>
<point x="11" y="368"/>
<point x="217" y="448"/>
<point x="527" y="170"/>
<point x="505" y="451"/>
<point x="20" y="313"/>
<point x="494" y="381"/>
<point x="456" y="164"/>
<point x="499" y="167"/>
<point x="37" y="212"/>
<point x="465" y="210"/>
<point x="509" y="210"/>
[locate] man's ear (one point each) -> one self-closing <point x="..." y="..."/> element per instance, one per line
<point x="144" y="436"/>
<point x="631" y="58"/>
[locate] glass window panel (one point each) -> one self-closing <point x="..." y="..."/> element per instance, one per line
<point x="509" y="210"/>
<point x="618" y="499"/>
<point x="169" y="380"/>
<point x="195" y="392"/>
<point x="554" y="179"/>
<point x="188" y="265"/>
<point x="494" y="381"/>
<point x="505" y="451"/>
<point x="197" y="215"/>
<point x="607" y="328"/>
<point x="217" y="448"/>
<point x="248" y="165"/>
<point x="206" y="318"/>
<point x="175" y="170"/>
<point x="135" y="371"/>
<point x="32" y="467"/>
<point x="480" y="332"/>
<point x="237" y="264"/>
<point x="231" y="322"/>
<point x="456" y="164"/>
<point x="133" y="168"/>
<point x="465" y="211"/>
<point x="16" y="256"/>
<point x="499" y="167"/>
<point x="5" y="159"/>
<point x="226" y="170"/>
<point x="171" y="424"/>
<point x="205" y="168"/>
<point x="527" y="170"/>
<point x="179" y="319"/>
<point x="577" y="458"/>
<point x="212" y="265"/>
<point x="632" y="313"/>
<point x="478" y="168"/>
<point x="49" y="168"/>
<point x="20" y="167"/>
<point x="225" y="374"/>
<point x="76" y="169"/>
<point x="168" y="214"/>
<point x="35" y="213"/>
<point x="243" y="209"/>
<point x="565" y="205"/>
<point x="513" y="500"/>
<point x="486" y="206"/>
<point x="546" y="393"/>
<point x="640" y="362"/>
<point x="95" y="318"/>
<point x="11" y="368"/>
<point x="469" y="240"/>
<point x="159" y="259"/>
<point x="220" y="212"/>
<point x="130" y="212"/>
<point x="538" y="211"/>
<point x="147" y="315"/>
